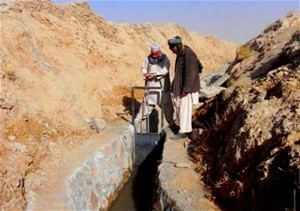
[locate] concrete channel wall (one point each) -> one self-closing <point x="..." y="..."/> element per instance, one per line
<point x="93" y="173"/>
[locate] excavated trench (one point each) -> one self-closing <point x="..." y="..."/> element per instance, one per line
<point x="241" y="186"/>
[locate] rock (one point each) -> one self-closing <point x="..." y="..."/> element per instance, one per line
<point x="15" y="147"/>
<point x="87" y="120"/>
<point x="210" y="91"/>
<point x="11" y="138"/>
<point x="182" y="165"/>
<point x="98" y="124"/>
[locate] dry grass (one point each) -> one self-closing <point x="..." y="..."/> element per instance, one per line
<point x="243" y="53"/>
<point x="9" y="74"/>
<point x="206" y="151"/>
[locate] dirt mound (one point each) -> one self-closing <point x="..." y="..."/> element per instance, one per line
<point x="252" y="151"/>
<point x="63" y="68"/>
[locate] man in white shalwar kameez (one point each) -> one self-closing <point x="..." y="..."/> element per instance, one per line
<point x="155" y="70"/>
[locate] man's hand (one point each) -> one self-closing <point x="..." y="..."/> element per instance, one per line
<point x="149" y="75"/>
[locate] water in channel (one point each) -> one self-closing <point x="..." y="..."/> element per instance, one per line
<point x="139" y="193"/>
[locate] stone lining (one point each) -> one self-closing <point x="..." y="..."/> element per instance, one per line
<point x="96" y="172"/>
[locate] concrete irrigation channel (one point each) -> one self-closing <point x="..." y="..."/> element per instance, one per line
<point x="158" y="169"/>
<point x="98" y="170"/>
<point x="164" y="178"/>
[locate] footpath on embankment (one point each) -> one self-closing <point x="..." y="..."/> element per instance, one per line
<point x="180" y="187"/>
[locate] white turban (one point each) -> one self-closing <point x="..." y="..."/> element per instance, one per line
<point x="155" y="47"/>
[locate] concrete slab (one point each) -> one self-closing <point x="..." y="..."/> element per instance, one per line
<point x="210" y="91"/>
<point x="221" y="80"/>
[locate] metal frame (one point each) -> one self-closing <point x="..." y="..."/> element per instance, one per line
<point x="147" y="92"/>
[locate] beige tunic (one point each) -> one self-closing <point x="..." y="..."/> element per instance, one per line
<point x="153" y="96"/>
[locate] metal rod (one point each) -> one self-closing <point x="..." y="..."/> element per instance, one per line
<point x="143" y="87"/>
<point x="162" y="110"/>
<point x="147" y="110"/>
<point x="132" y="105"/>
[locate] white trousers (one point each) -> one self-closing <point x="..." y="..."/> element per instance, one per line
<point x="151" y="98"/>
<point x="144" y="110"/>
<point x="184" y="111"/>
